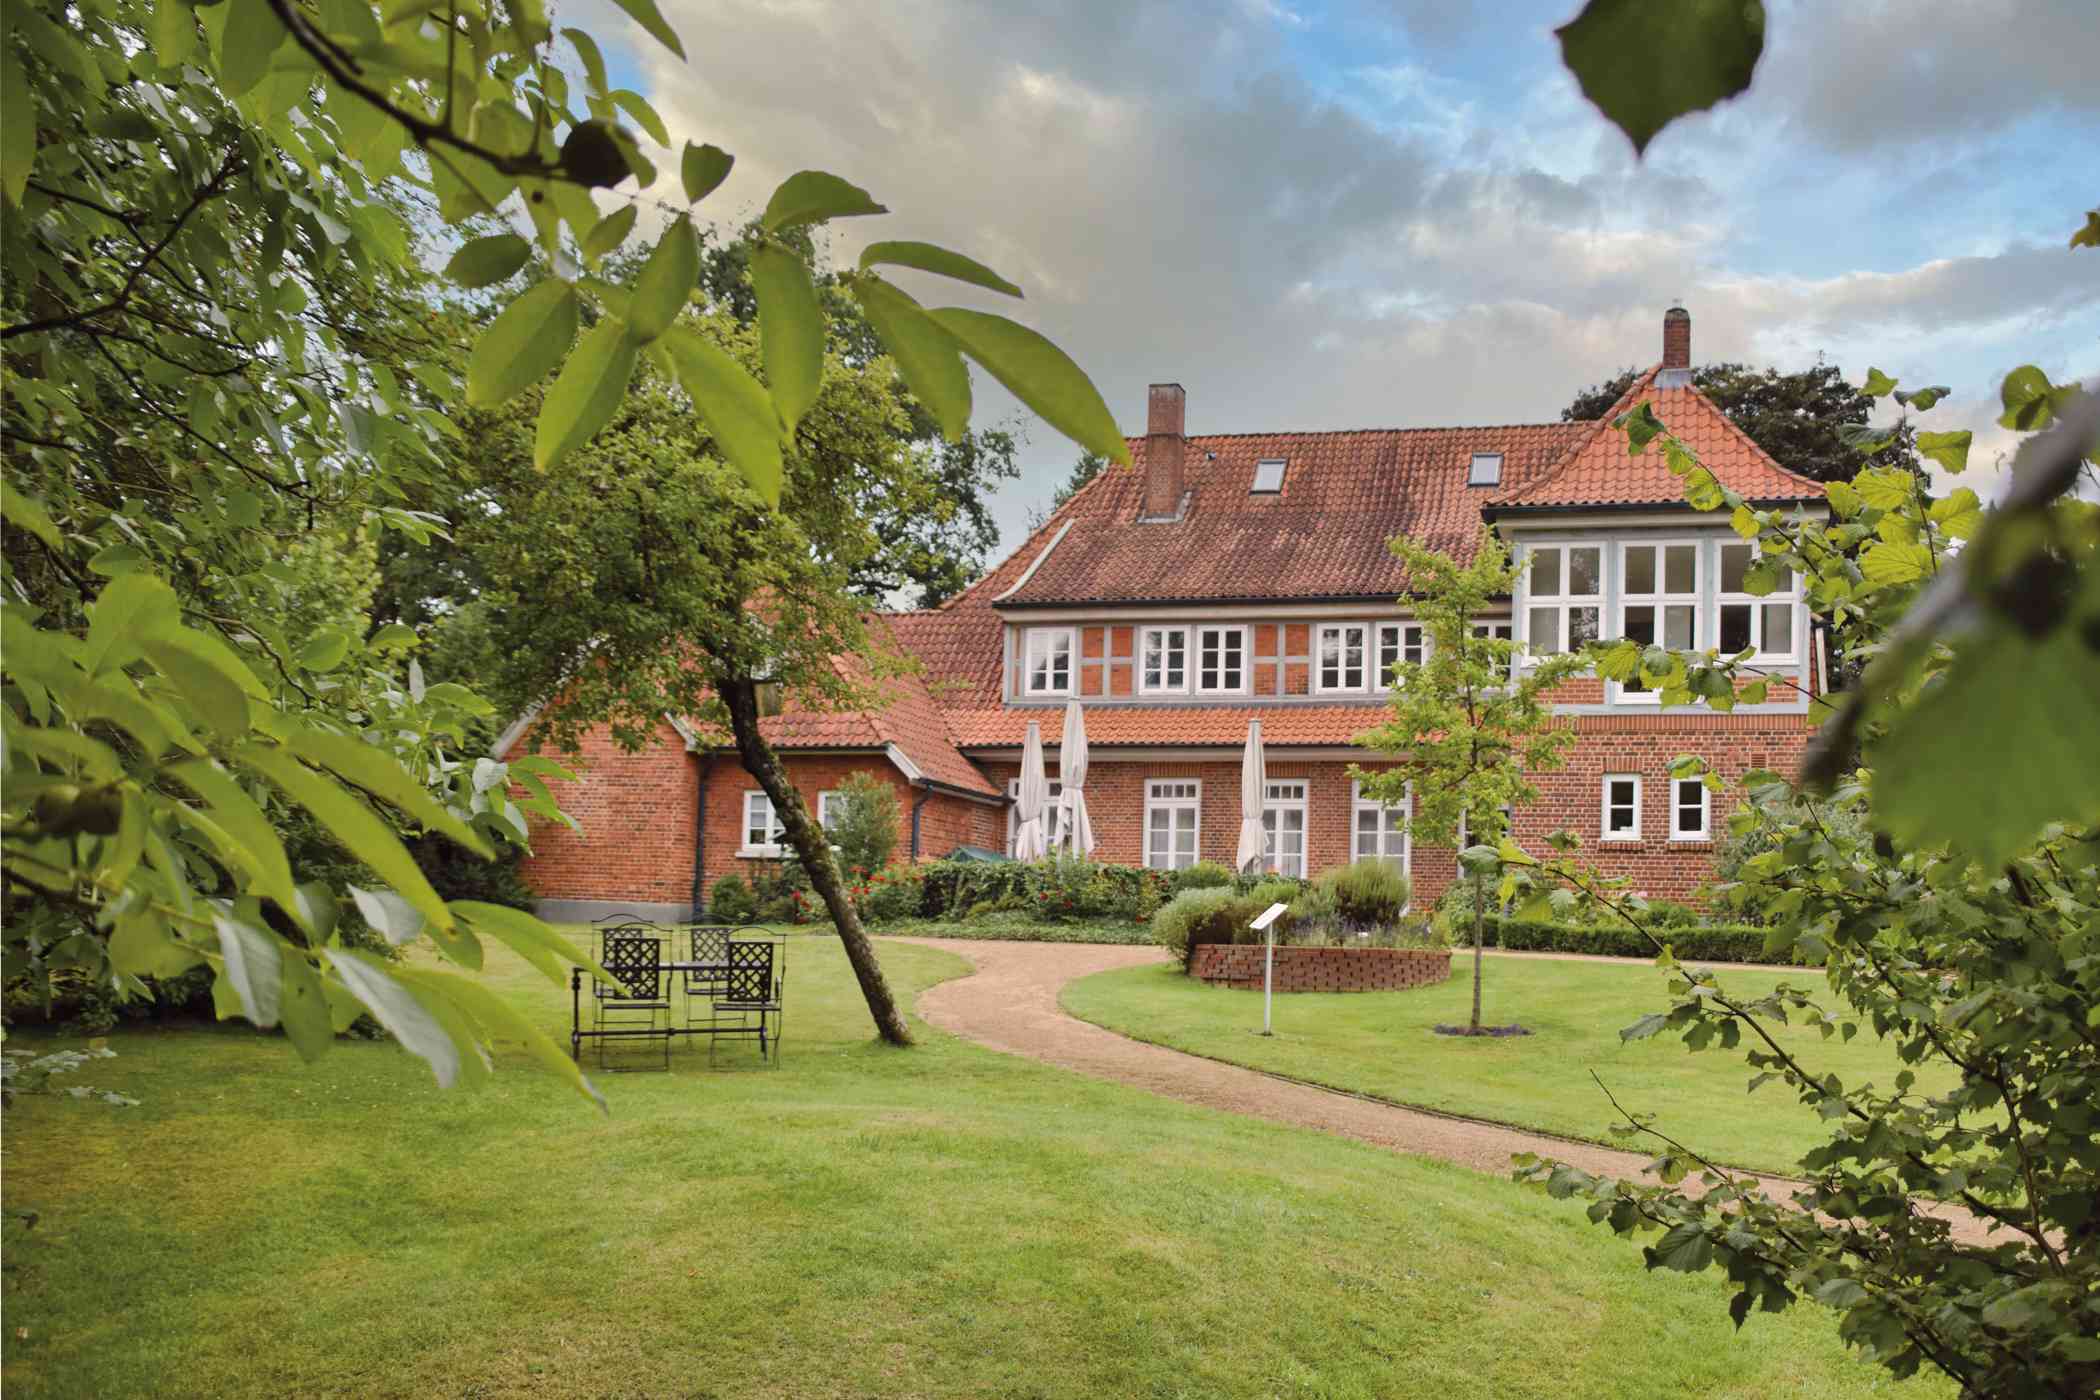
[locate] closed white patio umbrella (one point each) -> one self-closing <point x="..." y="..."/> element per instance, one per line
<point x="1030" y="842"/>
<point x="1074" y="828"/>
<point x="1254" y="783"/>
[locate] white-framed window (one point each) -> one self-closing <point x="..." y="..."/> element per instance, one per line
<point x="1500" y="627"/>
<point x="1173" y="822"/>
<point x="829" y="805"/>
<point x="1564" y="608"/>
<point x="1283" y="815"/>
<point x="1163" y="660"/>
<point x="1622" y="807"/>
<point x="1769" y="626"/>
<point x="1013" y="820"/>
<point x="1338" y="659"/>
<point x="1400" y="641"/>
<point x="1688" y="810"/>
<point x="1509" y="825"/>
<point x="762" y="829"/>
<point x="1486" y="469"/>
<point x="1268" y="477"/>
<point x="1046" y="663"/>
<point x="1221" y="660"/>
<point x="1658" y="600"/>
<point x="1379" y="831"/>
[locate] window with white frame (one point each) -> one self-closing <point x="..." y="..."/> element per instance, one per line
<point x="1565" y="597"/>
<point x="1688" y="809"/>
<point x="829" y="805"/>
<point x="1764" y="625"/>
<point x="1498" y="628"/>
<point x="1400" y="641"/>
<point x="1163" y="657"/>
<point x="1268" y="476"/>
<point x="1173" y="822"/>
<point x="1622" y="807"/>
<point x="1509" y="825"/>
<point x="1658" y="600"/>
<point x="1339" y="658"/>
<point x="1221" y="660"/>
<point x="1486" y="469"/>
<point x="1380" y="830"/>
<point x="762" y="830"/>
<point x="1283" y="827"/>
<point x="1013" y="821"/>
<point x="1046" y="666"/>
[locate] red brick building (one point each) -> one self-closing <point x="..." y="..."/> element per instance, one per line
<point x="1221" y="579"/>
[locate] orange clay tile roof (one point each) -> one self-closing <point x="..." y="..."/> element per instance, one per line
<point x="1112" y="726"/>
<point x="1345" y="494"/>
<point x="1598" y="470"/>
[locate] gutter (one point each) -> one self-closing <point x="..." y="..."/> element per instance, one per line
<point x="917" y="807"/>
<point x="700" y="766"/>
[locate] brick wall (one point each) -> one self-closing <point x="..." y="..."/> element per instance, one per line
<point x="1322" y="969"/>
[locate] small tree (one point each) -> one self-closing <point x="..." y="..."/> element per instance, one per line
<point x="864" y="829"/>
<point x="1470" y="723"/>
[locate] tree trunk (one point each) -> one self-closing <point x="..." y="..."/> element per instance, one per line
<point x="807" y="838"/>
<point x="1479" y="923"/>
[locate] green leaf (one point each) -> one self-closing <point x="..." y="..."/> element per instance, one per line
<point x="811" y="197"/>
<point x="483" y="262"/>
<point x="590" y="389"/>
<point x="1683" y="1247"/>
<point x="17" y="126"/>
<point x="1843" y="498"/>
<point x="645" y="117"/>
<point x="1648" y="1025"/>
<point x="609" y="232"/>
<point x="927" y="355"/>
<point x="131" y="607"/>
<point x="593" y="60"/>
<point x="495" y="1016"/>
<point x="398" y="1009"/>
<point x="1950" y="450"/>
<point x="252" y="967"/>
<point x="1040" y="375"/>
<point x="666" y="283"/>
<point x="303" y="1006"/>
<point x="388" y="914"/>
<point x="1885" y="488"/>
<point x="650" y="18"/>
<point x="531" y="939"/>
<point x="1922" y="399"/>
<point x="1642" y="427"/>
<point x="1878" y="385"/>
<point x="243" y="820"/>
<point x="1887" y="564"/>
<point x="174" y="32"/>
<point x="928" y="257"/>
<point x="2029" y="400"/>
<point x="791" y="331"/>
<point x="325" y="650"/>
<point x="209" y="675"/>
<point x="380" y="773"/>
<point x="523" y="344"/>
<point x="735" y="407"/>
<point x="253" y="33"/>
<point x="140" y="946"/>
<point x="1840" y="1293"/>
<point x="703" y="169"/>
<point x="1644" y="64"/>
<point x="26" y="513"/>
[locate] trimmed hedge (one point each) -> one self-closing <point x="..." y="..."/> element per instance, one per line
<point x="1020" y="928"/>
<point x="1694" y="943"/>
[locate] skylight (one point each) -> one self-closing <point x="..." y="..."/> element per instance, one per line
<point x="1268" y="477"/>
<point x="1486" y="471"/>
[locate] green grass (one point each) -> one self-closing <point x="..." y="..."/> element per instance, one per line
<point x="1382" y="1044"/>
<point x="942" y="1221"/>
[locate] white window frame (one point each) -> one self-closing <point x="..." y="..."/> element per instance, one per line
<point x="768" y="849"/>
<point x="1042" y="640"/>
<point x="1605" y="804"/>
<point x="1282" y="466"/>
<point x="1491" y="477"/>
<point x="1659" y="599"/>
<point x="1501" y="628"/>
<point x="1013" y="821"/>
<point x="1395" y="641"/>
<point x="1788" y="597"/>
<point x="1509" y="825"/>
<point x="1144" y="659"/>
<point x="1403" y="809"/>
<point x="1563" y="604"/>
<point x="1678" y="808"/>
<point x="1174" y="795"/>
<point x="1246" y="667"/>
<point x="1302" y="804"/>
<point x="825" y="799"/>
<point x="1341" y="630"/>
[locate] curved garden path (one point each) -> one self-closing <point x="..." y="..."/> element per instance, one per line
<point x="1010" y="1003"/>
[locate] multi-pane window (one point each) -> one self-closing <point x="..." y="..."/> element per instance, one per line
<point x="1688" y="808"/>
<point x="1380" y="831"/>
<point x="1499" y="628"/>
<point x="1221" y="659"/>
<point x="829" y="806"/>
<point x="1566" y="597"/>
<point x="1763" y="625"/>
<point x="762" y="829"/>
<point x="1013" y="820"/>
<point x="1339" y="661"/>
<point x="1400" y="641"/>
<point x="1172" y="821"/>
<point x="1622" y="807"/>
<point x="1163" y="659"/>
<point x="1046" y="667"/>
<point x="1465" y="834"/>
<point x="1659" y="598"/>
<point x="1283" y="827"/>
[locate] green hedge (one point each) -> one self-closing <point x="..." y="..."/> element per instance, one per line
<point x="1019" y="928"/>
<point x="1694" y="943"/>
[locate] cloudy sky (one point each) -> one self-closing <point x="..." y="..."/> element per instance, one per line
<point x="1404" y="214"/>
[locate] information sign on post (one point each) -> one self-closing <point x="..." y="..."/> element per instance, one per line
<point x="1265" y="923"/>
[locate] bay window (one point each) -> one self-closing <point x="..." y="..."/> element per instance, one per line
<point x="1565" y="597"/>
<point x="1765" y="626"/>
<point x="1658" y="599"/>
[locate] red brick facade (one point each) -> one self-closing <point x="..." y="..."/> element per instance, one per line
<point x="1241" y="965"/>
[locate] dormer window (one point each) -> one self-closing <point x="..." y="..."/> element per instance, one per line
<point x="1268" y="477"/>
<point x="1046" y="663"/>
<point x="1486" y="469"/>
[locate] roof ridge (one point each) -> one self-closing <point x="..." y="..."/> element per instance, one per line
<point x="1377" y="432"/>
<point x="1575" y="449"/>
<point x="1749" y="441"/>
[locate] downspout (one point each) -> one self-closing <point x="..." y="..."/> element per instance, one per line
<point x="918" y="805"/>
<point x="699" y="832"/>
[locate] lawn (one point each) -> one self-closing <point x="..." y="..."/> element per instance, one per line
<point x="1381" y="1044"/>
<point x="942" y="1221"/>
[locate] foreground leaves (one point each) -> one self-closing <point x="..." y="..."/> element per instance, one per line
<point x="1645" y="63"/>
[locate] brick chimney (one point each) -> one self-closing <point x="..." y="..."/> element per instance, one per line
<point x="1166" y="410"/>
<point x="1677" y="338"/>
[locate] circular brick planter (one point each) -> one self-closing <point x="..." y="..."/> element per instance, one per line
<point x="1322" y="969"/>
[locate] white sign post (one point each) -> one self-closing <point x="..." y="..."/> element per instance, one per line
<point x="1264" y="923"/>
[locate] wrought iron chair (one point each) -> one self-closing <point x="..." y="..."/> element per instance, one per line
<point x="707" y="945"/>
<point x="633" y="955"/>
<point x="756" y="980"/>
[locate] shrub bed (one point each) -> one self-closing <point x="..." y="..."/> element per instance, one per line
<point x="1693" y="942"/>
<point x="1020" y="928"/>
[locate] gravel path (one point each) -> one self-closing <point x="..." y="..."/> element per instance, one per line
<point x="1010" y="1003"/>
